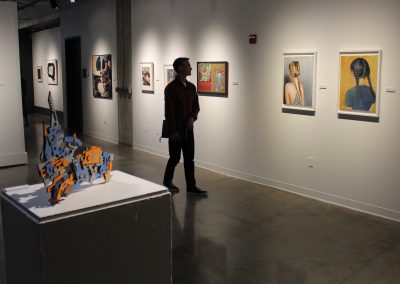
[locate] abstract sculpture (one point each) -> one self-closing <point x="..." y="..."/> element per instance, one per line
<point x="65" y="162"/>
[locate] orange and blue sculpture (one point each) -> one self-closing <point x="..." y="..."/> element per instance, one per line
<point x="65" y="163"/>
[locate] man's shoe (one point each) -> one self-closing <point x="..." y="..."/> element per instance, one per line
<point x="197" y="191"/>
<point x="171" y="187"/>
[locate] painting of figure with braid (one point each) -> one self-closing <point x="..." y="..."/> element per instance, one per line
<point x="360" y="97"/>
<point x="358" y="83"/>
<point x="298" y="86"/>
<point x="294" y="90"/>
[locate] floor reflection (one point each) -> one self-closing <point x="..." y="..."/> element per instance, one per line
<point x="196" y="259"/>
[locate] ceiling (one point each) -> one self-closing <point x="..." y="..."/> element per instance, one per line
<point x="39" y="14"/>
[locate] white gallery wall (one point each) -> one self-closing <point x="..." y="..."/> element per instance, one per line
<point x="95" y="24"/>
<point x="349" y="162"/>
<point x="46" y="45"/>
<point x="12" y="142"/>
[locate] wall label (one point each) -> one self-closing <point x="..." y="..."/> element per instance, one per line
<point x="391" y="90"/>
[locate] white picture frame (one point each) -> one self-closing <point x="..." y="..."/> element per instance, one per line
<point x="169" y="74"/>
<point x="362" y="98"/>
<point x="147" y="77"/>
<point x="299" y="80"/>
<point x="102" y="76"/>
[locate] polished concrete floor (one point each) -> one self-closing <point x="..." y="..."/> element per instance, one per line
<point x="249" y="233"/>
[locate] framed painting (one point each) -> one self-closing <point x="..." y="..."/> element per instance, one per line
<point x="102" y="76"/>
<point x="212" y="78"/>
<point x="39" y="74"/>
<point x="359" y="83"/>
<point x="52" y="72"/>
<point x="147" y="77"/>
<point x="169" y="74"/>
<point x="299" y="81"/>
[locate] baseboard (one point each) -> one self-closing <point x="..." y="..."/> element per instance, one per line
<point x="13" y="159"/>
<point x="101" y="137"/>
<point x="307" y="192"/>
<point x="303" y="191"/>
<point x="151" y="150"/>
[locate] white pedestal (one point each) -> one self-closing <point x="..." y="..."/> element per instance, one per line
<point x="118" y="232"/>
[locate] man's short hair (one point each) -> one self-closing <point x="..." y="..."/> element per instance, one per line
<point x="179" y="62"/>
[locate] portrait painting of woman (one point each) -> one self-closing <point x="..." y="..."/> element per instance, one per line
<point x="359" y="78"/>
<point x="299" y="81"/>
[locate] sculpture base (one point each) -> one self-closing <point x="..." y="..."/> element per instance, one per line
<point x="116" y="232"/>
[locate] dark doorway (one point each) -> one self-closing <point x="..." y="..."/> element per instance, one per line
<point x="74" y="85"/>
<point x="26" y="67"/>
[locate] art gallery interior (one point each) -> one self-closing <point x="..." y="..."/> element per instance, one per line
<point x="293" y="196"/>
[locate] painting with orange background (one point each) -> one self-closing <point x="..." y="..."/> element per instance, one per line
<point x="359" y="83"/>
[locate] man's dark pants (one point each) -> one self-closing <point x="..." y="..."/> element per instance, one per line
<point x="186" y="145"/>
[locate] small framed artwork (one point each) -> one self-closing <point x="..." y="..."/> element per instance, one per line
<point x="212" y="78"/>
<point x="299" y="81"/>
<point x="147" y="77"/>
<point x="39" y="74"/>
<point x="359" y="83"/>
<point x="169" y="74"/>
<point x="102" y="76"/>
<point x="52" y="72"/>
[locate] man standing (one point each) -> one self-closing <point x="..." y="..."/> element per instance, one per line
<point x="181" y="110"/>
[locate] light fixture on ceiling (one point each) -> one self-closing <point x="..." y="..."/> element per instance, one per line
<point x="72" y="1"/>
<point x="54" y="4"/>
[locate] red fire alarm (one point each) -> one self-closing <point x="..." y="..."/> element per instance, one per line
<point x="253" y="39"/>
